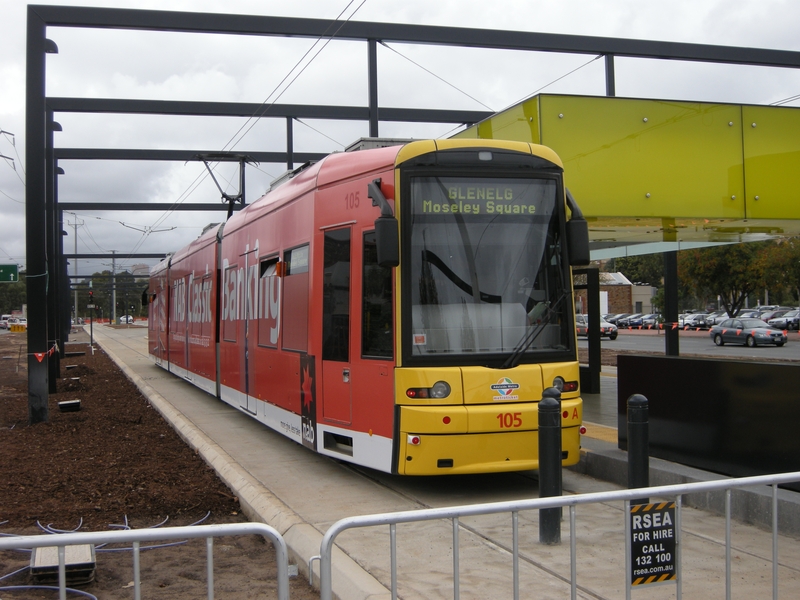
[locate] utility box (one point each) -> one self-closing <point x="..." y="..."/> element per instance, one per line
<point x="79" y="562"/>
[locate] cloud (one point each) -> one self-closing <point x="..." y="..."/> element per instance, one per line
<point x="179" y="66"/>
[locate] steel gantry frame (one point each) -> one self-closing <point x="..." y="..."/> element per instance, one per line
<point x="44" y="246"/>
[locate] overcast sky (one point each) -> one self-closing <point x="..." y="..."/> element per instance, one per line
<point x="116" y="64"/>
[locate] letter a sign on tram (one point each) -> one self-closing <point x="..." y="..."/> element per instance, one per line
<point x="9" y="273"/>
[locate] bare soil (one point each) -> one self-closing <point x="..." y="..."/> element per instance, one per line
<point x="116" y="462"/>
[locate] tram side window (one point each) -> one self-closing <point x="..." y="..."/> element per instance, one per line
<point x="230" y="305"/>
<point x="336" y="296"/>
<point x="295" y="300"/>
<point x="205" y="308"/>
<point x="376" y="326"/>
<point x="269" y="303"/>
<point x="179" y="306"/>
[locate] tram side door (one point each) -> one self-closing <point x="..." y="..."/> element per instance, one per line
<point x="336" y="291"/>
<point x="250" y="324"/>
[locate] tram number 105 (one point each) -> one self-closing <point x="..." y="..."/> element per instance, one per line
<point x="510" y="420"/>
<point x="352" y="200"/>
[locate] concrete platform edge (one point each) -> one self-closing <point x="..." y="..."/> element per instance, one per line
<point x="350" y="581"/>
<point x="753" y="506"/>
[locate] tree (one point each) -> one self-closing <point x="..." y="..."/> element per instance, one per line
<point x="731" y="272"/>
<point x="647" y="268"/>
<point x="13" y="295"/>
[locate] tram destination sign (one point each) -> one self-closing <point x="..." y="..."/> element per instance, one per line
<point x="652" y="543"/>
<point x="9" y="273"/>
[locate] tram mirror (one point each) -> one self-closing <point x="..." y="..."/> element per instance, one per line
<point x="387" y="241"/>
<point x="578" y="241"/>
<point x="577" y="234"/>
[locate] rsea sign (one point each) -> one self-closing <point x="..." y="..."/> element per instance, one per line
<point x="652" y="543"/>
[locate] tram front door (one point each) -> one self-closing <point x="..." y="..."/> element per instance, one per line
<point x="336" y="388"/>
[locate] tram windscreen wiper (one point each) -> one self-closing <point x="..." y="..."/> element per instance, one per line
<point x="431" y="257"/>
<point x="527" y="341"/>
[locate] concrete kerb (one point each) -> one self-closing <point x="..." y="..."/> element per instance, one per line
<point x="303" y="541"/>
<point x="752" y="506"/>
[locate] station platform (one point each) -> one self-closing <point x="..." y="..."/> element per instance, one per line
<point x="302" y="494"/>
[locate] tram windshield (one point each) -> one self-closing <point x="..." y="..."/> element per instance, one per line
<point x="486" y="270"/>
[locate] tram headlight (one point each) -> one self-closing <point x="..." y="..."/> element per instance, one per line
<point x="440" y="389"/>
<point x="564" y="386"/>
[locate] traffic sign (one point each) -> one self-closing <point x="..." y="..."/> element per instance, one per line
<point x="9" y="273"/>
<point x="652" y="543"/>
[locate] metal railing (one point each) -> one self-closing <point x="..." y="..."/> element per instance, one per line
<point x="136" y="536"/>
<point x="515" y="507"/>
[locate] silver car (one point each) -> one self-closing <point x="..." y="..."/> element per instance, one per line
<point x="749" y="332"/>
<point x="788" y="320"/>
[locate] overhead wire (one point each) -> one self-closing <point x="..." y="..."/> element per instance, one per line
<point x="527" y="96"/>
<point x="12" y="199"/>
<point x="320" y="132"/>
<point x="556" y="80"/>
<point x="266" y="105"/>
<point x="443" y="80"/>
<point x="12" y="140"/>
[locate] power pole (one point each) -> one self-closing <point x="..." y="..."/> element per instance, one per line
<point x="113" y="287"/>
<point x="75" y="266"/>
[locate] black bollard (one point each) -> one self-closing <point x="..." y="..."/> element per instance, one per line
<point x="638" y="445"/>
<point x="550" y="464"/>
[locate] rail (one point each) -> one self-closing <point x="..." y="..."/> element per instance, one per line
<point x="515" y="507"/>
<point x="136" y="536"/>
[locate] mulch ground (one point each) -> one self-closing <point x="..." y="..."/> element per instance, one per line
<point x="115" y="461"/>
<point x="114" y="457"/>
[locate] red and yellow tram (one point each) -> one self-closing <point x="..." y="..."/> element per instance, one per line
<point x="402" y="308"/>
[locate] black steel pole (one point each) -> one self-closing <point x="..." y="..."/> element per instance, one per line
<point x="550" y="464"/>
<point x="52" y="250"/>
<point x="35" y="219"/>
<point x="372" y="82"/>
<point x="638" y="445"/>
<point x="611" y="86"/>
<point x="672" y="345"/>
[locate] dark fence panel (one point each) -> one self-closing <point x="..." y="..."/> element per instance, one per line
<point x="735" y="418"/>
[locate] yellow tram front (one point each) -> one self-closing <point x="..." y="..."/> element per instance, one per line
<point x="485" y="317"/>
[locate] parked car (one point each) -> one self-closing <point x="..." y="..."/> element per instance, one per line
<point x="652" y="320"/>
<point x="624" y="322"/>
<point x="788" y="320"/>
<point x="634" y="321"/>
<point x="695" y="321"/>
<point x="749" y="332"/>
<point x="4" y="321"/>
<point x="716" y="317"/>
<point x="607" y="329"/>
<point x="125" y="320"/>
<point x="614" y="318"/>
<point x="766" y="315"/>
<point x="748" y="314"/>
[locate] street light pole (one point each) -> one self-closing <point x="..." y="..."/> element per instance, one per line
<point x="75" y="269"/>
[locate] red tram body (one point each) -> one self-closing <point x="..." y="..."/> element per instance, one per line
<point x="288" y="312"/>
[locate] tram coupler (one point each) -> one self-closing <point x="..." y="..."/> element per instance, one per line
<point x="638" y="445"/>
<point x="550" y="464"/>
